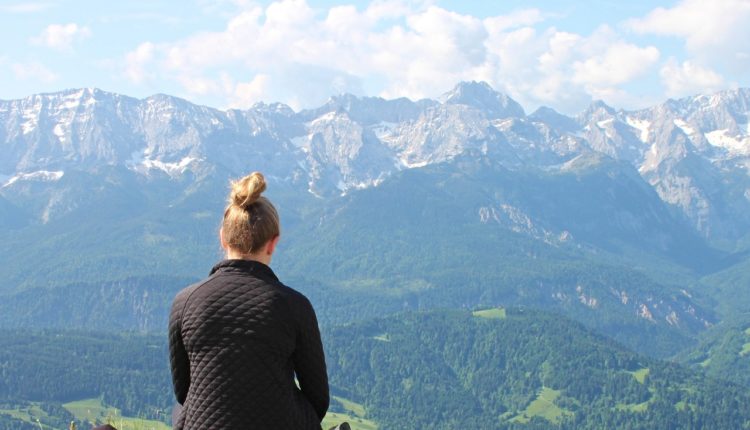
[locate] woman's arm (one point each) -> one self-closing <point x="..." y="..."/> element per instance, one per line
<point x="178" y="357"/>
<point x="309" y="361"/>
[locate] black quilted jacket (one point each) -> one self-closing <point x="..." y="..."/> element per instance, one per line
<point x="236" y="342"/>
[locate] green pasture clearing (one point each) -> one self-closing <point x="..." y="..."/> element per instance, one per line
<point x="745" y="349"/>
<point x="637" y="407"/>
<point x="747" y="331"/>
<point x="543" y="406"/>
<point x="353" y="407"/>
<point x="332" y="419"/>
<point x="355" y="417"/>
<point x="92" y="410"/>
<point x="634" y="407"/>
<point x="682" y="406"/>
<point x="494" y="313"/>
<point x="385" y="337"/>
<point x="641" y="374"/>
<point x="29" y="414"/>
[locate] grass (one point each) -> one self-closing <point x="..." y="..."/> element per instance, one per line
<point x="641" y="374"/>
<point x="747" y="331"/>
<point x="30" y="414"/>
<point x="385" y="337"/>
<point x="92" y="410"/>
<point x="745" y="349"/>
<point x="332" y="419"/>
<point x="494" y="313"/>
<point x="682" y="406"/>
<point x="634" y="407"/>
<point x="637" y="407"/>
<point x="353" y="407"/>
<point x="355" y="417"/>
<point x="543" y="406"/>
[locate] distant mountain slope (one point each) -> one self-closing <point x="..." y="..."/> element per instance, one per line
<point x="695" y="152"/>
<point x="476" y="233"/>
<point x="519" y="369"/>
<point x="611" y="216"/>
<point x="724" y="351"/>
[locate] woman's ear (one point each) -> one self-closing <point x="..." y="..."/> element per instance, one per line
<point x="271" y="245"/>
<point x="221" y="239"/>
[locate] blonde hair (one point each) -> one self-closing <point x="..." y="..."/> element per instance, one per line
<point x="250" y="220"/>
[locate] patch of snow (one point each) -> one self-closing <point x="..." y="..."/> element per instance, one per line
<point x="604" y="123"/>
<point x="685" y="127"/>
<point x="28" y="126"/>
<point x="735" y="145"/>
<point x="38" y="176"/>
<point x="169" y="168"/>
<point x="651" y="160"/>
<point x="59" y="132"/>
<point x="641" y="125"/>
<point x="71" y="104"/>
<point x="140" y="162"/>
<point x="330" y="116"/>
<point x="409" y="165"/>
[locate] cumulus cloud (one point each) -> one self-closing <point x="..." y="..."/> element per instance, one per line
<point x="617" y="64"/>
<point x="688" y="78"/>
<point x="61" y="36"/>
<point x="291" y="52"/>
<point x="138" y="61"/>
<point x="33" y="71"/>
<point x="713" y="31"/>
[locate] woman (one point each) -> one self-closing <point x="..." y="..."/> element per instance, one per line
<point x="238" y="338"/>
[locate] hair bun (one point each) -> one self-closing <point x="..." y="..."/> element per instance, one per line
<point x="247" y="190"/>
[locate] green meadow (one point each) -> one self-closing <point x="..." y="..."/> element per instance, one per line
<point x="93" y="411"/>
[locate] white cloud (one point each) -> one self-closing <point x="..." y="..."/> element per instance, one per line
<point x="27" y="7"/>
<point x="715" y="30"/>
<point x="33" y="71"/>
<point x="688" y="79"/>
<point x="291" y="52"/>
<point x="516" y="19"/>
<point x="61" y="36"/>
<point x="137" y="62"/>
<point x="617" y="64"/>
<point x="245" y="94"/>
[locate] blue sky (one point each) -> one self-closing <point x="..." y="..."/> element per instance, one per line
<point x="234" y="53"/>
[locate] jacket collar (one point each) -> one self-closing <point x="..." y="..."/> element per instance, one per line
<point x="255" y="268"/>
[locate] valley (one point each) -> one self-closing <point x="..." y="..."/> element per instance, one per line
<point x="516" y="270"/>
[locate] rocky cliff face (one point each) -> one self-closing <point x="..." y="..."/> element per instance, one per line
<point x="694" y="152"/>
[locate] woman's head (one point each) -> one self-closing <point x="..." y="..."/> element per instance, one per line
<point x="250" y="220"/>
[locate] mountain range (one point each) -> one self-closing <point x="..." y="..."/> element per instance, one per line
<point x="694" y="152"/>
<point x="634" y="222"/>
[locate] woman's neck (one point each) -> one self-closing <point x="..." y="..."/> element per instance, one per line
<point x="260" y="257"/>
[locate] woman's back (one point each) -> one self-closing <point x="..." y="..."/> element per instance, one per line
<point x="238" y="338"/>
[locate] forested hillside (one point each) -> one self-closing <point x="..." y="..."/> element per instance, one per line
<point x="498" y="368"/>
<point x="519" y="368"/>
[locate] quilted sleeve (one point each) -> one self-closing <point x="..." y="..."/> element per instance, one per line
<point x="178" y="357"/>
<point x="309" y="361"/>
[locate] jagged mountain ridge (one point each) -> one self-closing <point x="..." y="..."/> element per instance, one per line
<point x="695" y="152"/>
